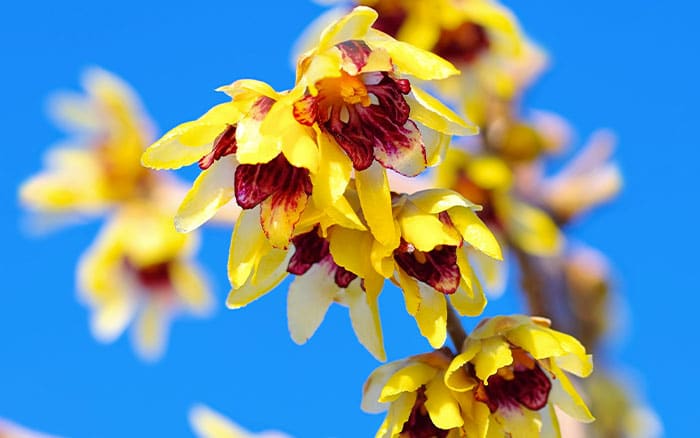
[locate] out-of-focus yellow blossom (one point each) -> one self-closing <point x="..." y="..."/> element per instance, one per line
<point x="618" y="412"/>
<point x="586" y="182"/>
<point x="426" y="258"/>
<point x="99" y="168"/>
<point x="417" y="400"/>
<point x="514" y="365"/>
<point x="140" y="270"/>
<point x="12" y="430"/>
<point x="358" y="93"/>
<point x="488" y="181"/>
<point x="207" y="423"/>
<point x="480" y="37"/>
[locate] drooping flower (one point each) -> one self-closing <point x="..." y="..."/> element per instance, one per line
<point x="418" y="402"/>
<point x="247" y="151"/>
<point x="140" y="270"/>
<point x="98" y="168"/>
<point x="514" y="365"/>
<point x="426" y="258"/>
<point x="207" y="423"/>
<point x="358" y="93"/>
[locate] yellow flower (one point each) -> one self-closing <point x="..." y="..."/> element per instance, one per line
<point x="210" y="424"/>
<point x="140" y="269"/>
<point x="357" y="92"/>
<point x="416" y="398"/>
<point x="426" y="257"/>
<point x="488" y="181"/>
<point x="100" y="167"/>
<point x="256" y="267"/>
<point x="514" y="366"/>
<point x="246" y="148"/>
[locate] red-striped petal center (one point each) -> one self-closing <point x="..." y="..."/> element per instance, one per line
<point x="437" y="268"/>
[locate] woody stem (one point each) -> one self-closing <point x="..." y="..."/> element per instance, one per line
<point x="455" y="328"/>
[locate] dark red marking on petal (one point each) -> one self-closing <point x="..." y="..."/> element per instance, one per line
<point x="260" y="108"/>
<point x="305" y="110"/>
<point x="463" y="44"/>
<point x="355" y="51"/>
<point x="310" y="248"/>
<point x="528" y="387"/>
<point x="437" y="268"/>
<point x="419" y="424"/>
<point x="225" y="144"/>
<point x="253" y="183"/>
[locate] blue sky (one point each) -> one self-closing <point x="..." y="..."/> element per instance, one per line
<point x="628" y="66"/>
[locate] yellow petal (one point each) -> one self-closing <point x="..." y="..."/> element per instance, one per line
<point x="375" y="199"/>
<point x="364" y="315"/>
<point x="435" y="115"/>
<point x="209" y="424"/>
<point x="211" y="190"/>
<point x="469" y="298"/>
<point x="438" y="200"/>
<point x="442" y="406"/>
<point x="248" y="245"/>
<point x="352" y="26"/>
<point x="375" y="383"/>
<point x="151" y="332"/>
<point x="564" y="395"/>
<point x="407" y="379"/>
<point x="355" y="261"/>
<point x="432" y="315"/>
<point x="495" y="353"/>
<point x="310" y="295"/>
<point x="411" y="60"/>
<point x="455" y="377"/>
<point x="426" y="231"/>
<point x="271" y="270"/>
<point x="475" y="232"/>
<point x="333" y="174"/>
<point x="399" y="412"/>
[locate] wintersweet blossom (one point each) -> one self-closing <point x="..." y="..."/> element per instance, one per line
<point x="98" y="167"/>
<point x="207" y="423"/>
<point x="140" y="270"/>
<point x="416" y="398"/>
<point x="515" y="366"/>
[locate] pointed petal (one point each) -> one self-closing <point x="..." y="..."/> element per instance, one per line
<point x="151" y="332"/>
<point x="310" y="296"/>
<point x="435" y="115"/>
<point x="441" y="405"/>
<point x="270" y="271"/>
<point x="350" y="27"/>
<point x="530" y="228"/>
<point x="375" y="199"/>
<point x="364" y="315"/>
<point x="248" y="245"/>
<point x="211" y="190"/>
<point x="495" y="353"/>
<point x="469" y="298"/>
<point x="333" y="174"/>
<point x="407" y="379"/>
<point x="565" y="396"/>
<point x="374" y="384"/>
<point x="432" y="316"/>
<point x="191" y="287"/>
<point x="475" y="232"/>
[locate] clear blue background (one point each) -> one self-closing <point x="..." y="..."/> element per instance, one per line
<point x="628" y="65"/>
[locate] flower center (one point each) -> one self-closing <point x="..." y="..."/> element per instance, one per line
<point x="437" y="268"/>
<point x="346" y="88"/>
<point x="154" y="279"/>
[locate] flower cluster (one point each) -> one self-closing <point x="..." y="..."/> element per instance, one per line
<point x="505" y="382"/>
<point x="308" y="166"/>
<point x="139" y="268"/>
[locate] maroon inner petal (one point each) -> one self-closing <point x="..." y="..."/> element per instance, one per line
<point x="253" y="183"/>
<point x="154" y="278"/>
<point x="343" y="277"/>
<point x="309" y="248"/>
<point x="439" y="270"/>
<point x="305" y="110"/>
<point x="529" y="388"/>
<point x="225" y="144"/>
<point x="359" y="130"/>
<point x="391" y="18"/>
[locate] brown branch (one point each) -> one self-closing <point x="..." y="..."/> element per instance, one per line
<point x="455" y="328"/>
